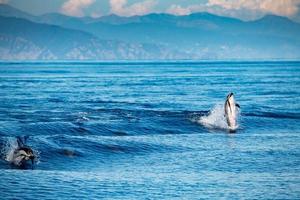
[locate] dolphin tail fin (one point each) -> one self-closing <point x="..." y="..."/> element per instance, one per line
<point x="237" y="105"/>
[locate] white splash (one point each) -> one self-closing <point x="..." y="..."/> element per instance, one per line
<point x="82" y="116"/>
<point x="216" y="119"/>
<point x="9" y="148"/>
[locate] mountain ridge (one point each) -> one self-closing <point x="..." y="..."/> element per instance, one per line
<point x="156" y="36"/>
<point x="24" y="39"/>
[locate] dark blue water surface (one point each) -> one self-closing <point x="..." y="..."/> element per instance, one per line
<point x="134" y="131"/>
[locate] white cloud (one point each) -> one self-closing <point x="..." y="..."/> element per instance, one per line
<point x="178" y="10"/>
<point x="121" y="8"/>
<point x="75" y="7"/>
<point x="245" y="9"/>
<point x="278" y="7"/>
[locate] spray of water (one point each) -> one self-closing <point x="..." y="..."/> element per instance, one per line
<point x="82" y="116"/>
<point x="216" y="118"/>
<point x="9" y="148"/>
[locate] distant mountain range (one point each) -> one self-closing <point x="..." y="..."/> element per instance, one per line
<point x="154" y="36"/>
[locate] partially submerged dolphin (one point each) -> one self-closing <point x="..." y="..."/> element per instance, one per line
<point x="22" y="154"/>
<point x="231" y="112"/>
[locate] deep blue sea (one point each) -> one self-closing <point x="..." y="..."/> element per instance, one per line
<point x="151" y="130"/>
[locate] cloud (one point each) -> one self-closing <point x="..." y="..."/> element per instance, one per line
<point x="75" y="7"/>
<point x="244" y="9"/>
<point x="278" y="7"/>
<point x="121" y="8"/>
<point x="178" y="10"/>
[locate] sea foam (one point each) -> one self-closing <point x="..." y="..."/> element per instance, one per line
<point x="216" y="118"/>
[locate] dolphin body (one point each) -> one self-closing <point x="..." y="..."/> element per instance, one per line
<point x="231" y="112"/>
<point x="22" y="154"/>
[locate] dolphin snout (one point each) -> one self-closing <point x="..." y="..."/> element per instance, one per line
<point x="229" y="95"/>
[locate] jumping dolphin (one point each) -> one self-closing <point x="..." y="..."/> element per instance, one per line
<point x="231" y="112"/>
<point x="22" y="154"/>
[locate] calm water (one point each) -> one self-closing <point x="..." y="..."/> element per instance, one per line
<point x="136" y="131"/>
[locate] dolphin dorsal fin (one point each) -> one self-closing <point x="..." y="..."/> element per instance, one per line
<point x="20" y="142"/>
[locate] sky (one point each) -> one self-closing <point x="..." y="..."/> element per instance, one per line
<point x="243" y="9"/>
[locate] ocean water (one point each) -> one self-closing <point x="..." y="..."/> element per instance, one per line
<point x="151" y="130"/>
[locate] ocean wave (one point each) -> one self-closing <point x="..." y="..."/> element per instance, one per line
<point x="276" y="115"/>
<point x="58" y="151"/>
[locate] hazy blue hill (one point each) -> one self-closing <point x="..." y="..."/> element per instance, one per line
<point x="116" y="20"/>
<point x="59" y="19"/>
<point x="207" y="35"/>
<point x="194" y="20"/>
<point x="8" y="11"/>
<point x="50" y="18"/>
<point x="159" y="36"/>
<point x="47" y="41"/>
<point x="23" y="39"/>
<point x="159" y="28"/>
<point x="276" y="25"/>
